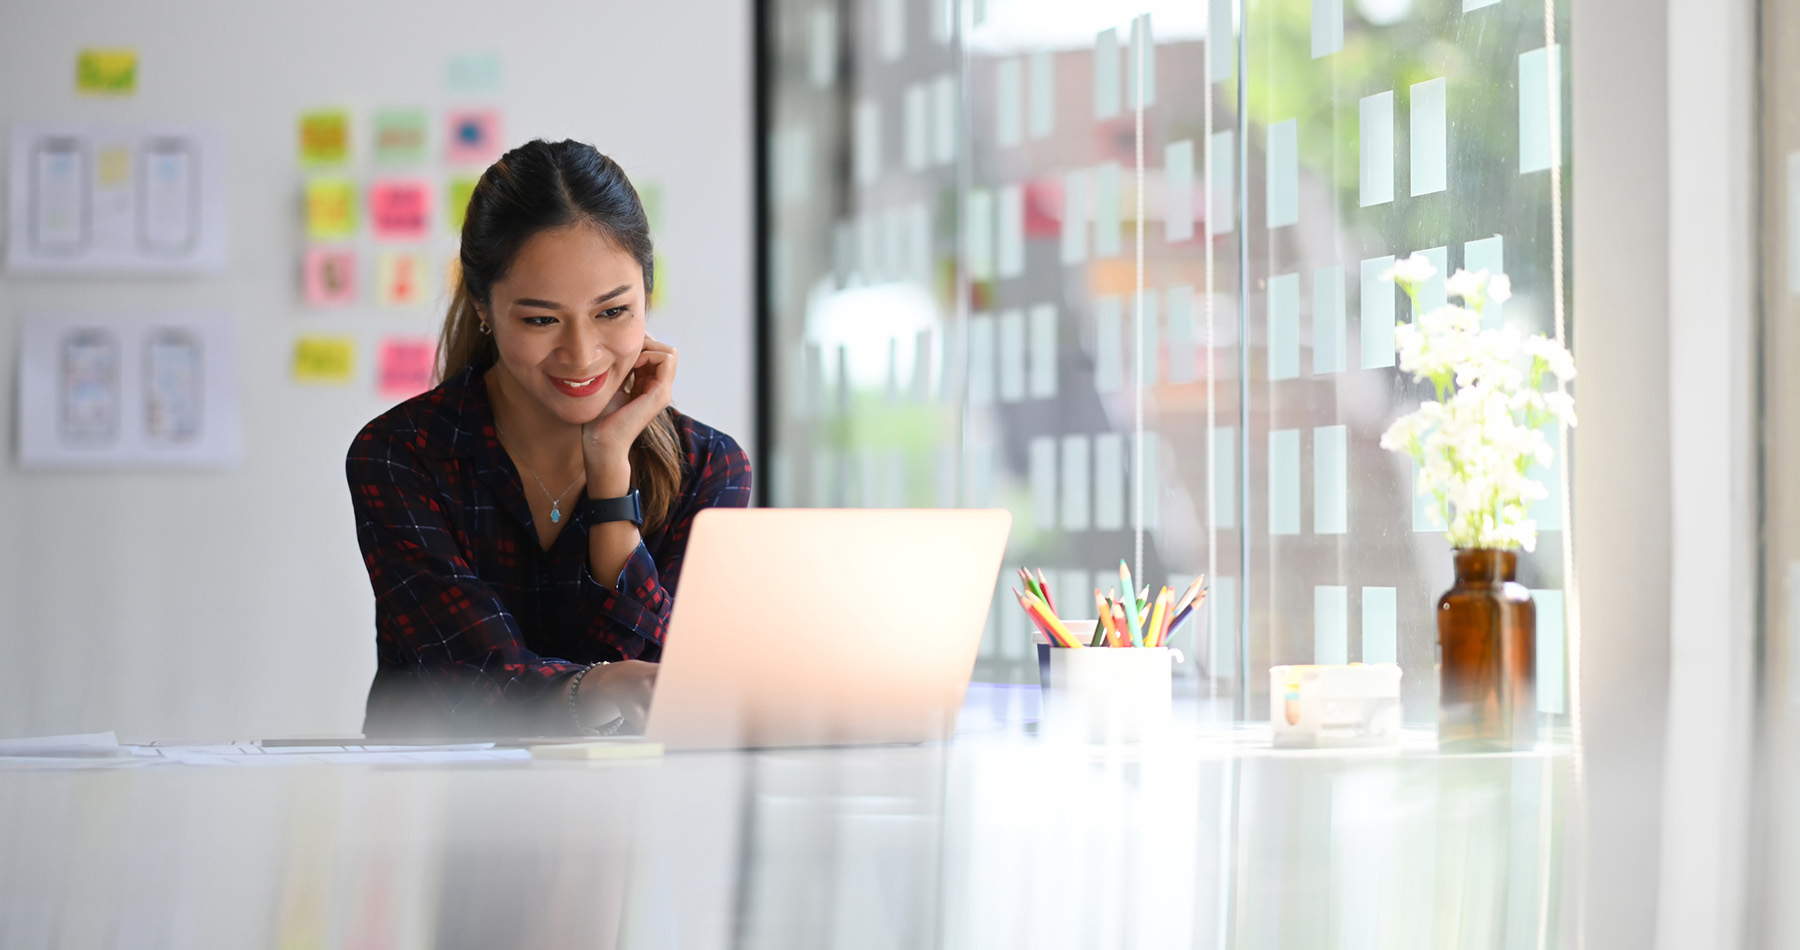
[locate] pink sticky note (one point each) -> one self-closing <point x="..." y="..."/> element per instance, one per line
<point x="400" y="209"/>
<point x="406" y="364"/>
<point x="330" y="277"/>
<point x="474" y="136"/>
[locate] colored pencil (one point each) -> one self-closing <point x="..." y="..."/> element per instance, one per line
<point x="1034" y="620"/>
<point x="1131" y="609"/>
<point x="1119" y="625"/>
<point x="1153" y="636"/>
<point x="1044" y="591"/>
<point x="1187" y="596"/>
<point x="1057" y="630"/>
<point x="1030" y="583"/>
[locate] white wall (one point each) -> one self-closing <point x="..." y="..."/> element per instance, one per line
<point x="235" y="604"/>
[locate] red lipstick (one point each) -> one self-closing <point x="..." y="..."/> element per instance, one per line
<point x="588" y="388"/>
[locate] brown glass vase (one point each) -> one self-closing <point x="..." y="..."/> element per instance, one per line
<point x="1487" y="643"/>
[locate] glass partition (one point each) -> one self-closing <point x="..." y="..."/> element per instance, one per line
<point x="1006" y="246"/>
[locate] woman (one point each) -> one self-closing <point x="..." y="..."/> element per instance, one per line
<point x="524" y="523"/>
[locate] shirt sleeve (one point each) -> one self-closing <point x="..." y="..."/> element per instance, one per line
<point x="635" y="616"/>
<point x="469" y="666"/>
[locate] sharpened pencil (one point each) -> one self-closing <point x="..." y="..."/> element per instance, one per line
<point x="1131" y="609"/>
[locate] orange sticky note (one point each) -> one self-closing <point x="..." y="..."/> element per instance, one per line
<point x="405" y="366"/>
<point x="399" y="209"/>
<point x="330" y="277"/>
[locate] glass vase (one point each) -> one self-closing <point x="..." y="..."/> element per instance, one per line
<point x="1487" y="643"/>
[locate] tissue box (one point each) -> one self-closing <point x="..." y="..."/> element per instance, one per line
<point x="1335" y="706"/>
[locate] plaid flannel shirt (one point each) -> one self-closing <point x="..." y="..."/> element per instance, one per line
<point x="478" y="628"/>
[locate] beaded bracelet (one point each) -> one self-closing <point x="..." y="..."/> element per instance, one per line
<point x="575" y="705"/>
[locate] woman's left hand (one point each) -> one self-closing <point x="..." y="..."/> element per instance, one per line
<point x="609" y="438"/>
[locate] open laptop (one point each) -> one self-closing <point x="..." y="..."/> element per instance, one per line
<point x="811" y="627"/>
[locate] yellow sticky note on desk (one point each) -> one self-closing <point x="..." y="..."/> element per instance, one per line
<point x="324" y="359"/>
<point x="106" y="72"/>
<point x="330" y="209"/>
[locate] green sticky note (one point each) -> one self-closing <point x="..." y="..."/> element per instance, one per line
<point x="400" y="136"/>
<point x="456" y="201"/>
<point x="474" y="72"/>
<point x="106" y="72"/>
<point x="325" y="136"/>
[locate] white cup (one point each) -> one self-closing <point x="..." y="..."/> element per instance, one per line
<point x="1108" y="694"/>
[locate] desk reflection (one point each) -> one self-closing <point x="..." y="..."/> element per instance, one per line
<point x="998" y="839"/>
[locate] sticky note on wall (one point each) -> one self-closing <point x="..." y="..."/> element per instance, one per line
<point x="106" y="72"/>
<point x="405" y="365"/>
<point x="324" y="136"/>
<point x="330" y="209"/>
<point x="400" y="278"/>
<point x="324" y="359"/>
<point x="400" y="209"/>
<point x="400" y="136"/>
<point x="456" y="202"/>
<point x="474" y="136"/>
<point x="329" y="277"/>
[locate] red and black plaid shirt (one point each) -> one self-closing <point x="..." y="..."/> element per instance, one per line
<point x="477" y="627"/>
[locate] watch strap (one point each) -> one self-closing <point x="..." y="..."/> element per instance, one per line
<point x="593" y="511"/>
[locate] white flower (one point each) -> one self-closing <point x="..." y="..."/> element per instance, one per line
<point x="1555" y="358"/>
<point x="1466" y="285"/>
<point x="1415" y="270"/>
<point x="1499" y="288"/>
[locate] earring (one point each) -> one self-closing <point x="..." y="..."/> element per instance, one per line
<point x="484" y="328"/>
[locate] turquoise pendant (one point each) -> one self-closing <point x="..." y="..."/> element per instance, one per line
<point x="555" y="516"/>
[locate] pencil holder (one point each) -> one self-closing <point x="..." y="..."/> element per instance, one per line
<point x="1108" y="695"/>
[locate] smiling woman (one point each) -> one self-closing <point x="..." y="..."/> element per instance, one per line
<point x="500" y="607"/>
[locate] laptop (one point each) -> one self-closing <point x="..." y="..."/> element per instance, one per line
<point x="823" y="627"/>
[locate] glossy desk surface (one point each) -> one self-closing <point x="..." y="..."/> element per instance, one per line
<point x="997" y="839"/>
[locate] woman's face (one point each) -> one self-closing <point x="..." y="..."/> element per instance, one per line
<point x="568" y="321"/>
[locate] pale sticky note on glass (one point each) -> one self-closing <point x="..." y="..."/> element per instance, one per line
<point x="893" y="29"/>
<point x="1380" y="625"/>
<point x="943" y="118"/>
<point x="1178" y="191"/>
<point x="1043" y="94"/>
<point x="1041" y="470"/>
<point x="1331" y="480"/>
<point x="1377" y="313"/>
<point x="1430" y="139"/>
<point x="1182" y="354"/>
<point x="1488" y="254"/>
<point x="981" y="360"/>
<point x="1375" y="149"/>
<point x="916" y="132"/>
<point x="1431" y="293"/>
<point x="1547" y="511"/>
<point x="1425" y="510"/>
<point x="1109" y="355"/>
<point x="822" y="50"/>
<point x="1075" y="217"/>
<point x="1141" y="62"/>
<point x="1283" y="174"/>
<point x="1107" y="209"/>
<point x="1012" y="356"/>
<point x="978" y="482"/>
<point x="1221" y="185"/>
<point x="1540" y="123"/>
<point x="1148" y="484"/>
<point x="868" y="141"/>
<point x="1327" y="27"/>
<point x="325" y="359"/>
<point x="1224" y="476"/>
<point x="979" y="239"/>
<point x="1009" y="91"/>
<point x="1284" y="326"/>
<point x="1144" y="342"/>
<point x="1042" y="381"/>
<point x="1551" y="651"/>
<point x="1221" y="19"/>
<point x="1329" y="321"/>
<point x="1106" y="74"/>
<point x="1075" y="492"/>
<point x="1011" y="249"/>
<point x="1222" y="624"/>
<point x="1109" y="481"/>
<point x="1331" y="625"/>
<point x="1284" y="481"/>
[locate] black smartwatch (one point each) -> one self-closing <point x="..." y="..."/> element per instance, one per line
<point x="593" y="511"/>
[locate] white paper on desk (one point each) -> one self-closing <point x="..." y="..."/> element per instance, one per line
<point x="93" y="743"/>
<point x="116" y="198"/>
<point x="108" y="391"/>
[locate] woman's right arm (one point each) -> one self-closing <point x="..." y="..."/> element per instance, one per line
<point x="455" y="637"/>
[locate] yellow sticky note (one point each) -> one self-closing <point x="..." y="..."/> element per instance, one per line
<point x="456" y="202"/>
<point x="324" y="136"/>
<point x="324" y="359"/>
<point x="330" y="209"/>
<point x="106" y="72"/>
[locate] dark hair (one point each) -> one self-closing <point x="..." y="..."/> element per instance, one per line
<point x="542" y="186"/>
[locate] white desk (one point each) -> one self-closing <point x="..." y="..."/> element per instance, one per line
<point x="995" y="840"/>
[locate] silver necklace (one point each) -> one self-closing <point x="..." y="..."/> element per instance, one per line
<point x="555" y="500"/>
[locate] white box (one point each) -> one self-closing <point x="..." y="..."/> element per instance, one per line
<point x="1335" y="706"/>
